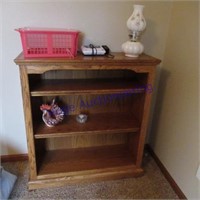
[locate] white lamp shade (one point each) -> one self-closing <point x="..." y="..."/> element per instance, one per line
<point x="136" y="21"/>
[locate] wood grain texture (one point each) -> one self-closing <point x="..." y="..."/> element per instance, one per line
<point x="96" y="124"/>
<point x="95" y="104"/>
<point x="92" y="140"/>
<point x="145" y="118"/>
<point x="142" y="64"/>
<point x="28" y="121"/>
<point x="83" y="86"/>
<point x="80" y="59"/>
<point x="84" y="159"/>
<point x="110" y="144"/>
<point x="98" y="175"/>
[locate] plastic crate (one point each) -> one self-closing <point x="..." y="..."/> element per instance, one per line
<point x="48" y="42"/>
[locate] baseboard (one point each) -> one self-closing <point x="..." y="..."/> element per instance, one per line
<point x="167" y="175"/>
<point x="14" y="158"/>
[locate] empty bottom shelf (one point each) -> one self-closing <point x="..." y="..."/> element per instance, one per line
<point x="76" y="161"/>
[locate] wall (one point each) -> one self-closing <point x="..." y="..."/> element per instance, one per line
<point x="175" y="131"/>
<point x="1" y="74"/>
<point x="101" y="22"/>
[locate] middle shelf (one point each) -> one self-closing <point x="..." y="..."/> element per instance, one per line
<point x="96" y="124"/>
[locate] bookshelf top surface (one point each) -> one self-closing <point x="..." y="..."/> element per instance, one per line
<point x="119" y="58"/>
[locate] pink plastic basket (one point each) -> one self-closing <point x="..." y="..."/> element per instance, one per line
<point x="48" y="42"/>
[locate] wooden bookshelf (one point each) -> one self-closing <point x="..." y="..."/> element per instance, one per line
<point x="110" y="144"/>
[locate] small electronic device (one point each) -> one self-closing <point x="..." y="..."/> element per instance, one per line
<point x="106" y="49"/>
<point x="92" y="50"/>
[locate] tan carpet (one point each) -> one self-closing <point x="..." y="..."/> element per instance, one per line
<point x="152" y="185"/>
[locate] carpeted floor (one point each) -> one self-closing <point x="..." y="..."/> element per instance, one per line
<point x="152" y="185"/>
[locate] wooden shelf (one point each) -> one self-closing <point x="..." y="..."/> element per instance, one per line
<point x="93" y="159"/>
<point x="96" y="124"/>
<point x="72" y="152"/>
<point x="85" y="86"/>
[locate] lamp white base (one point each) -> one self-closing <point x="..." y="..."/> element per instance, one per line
<point x="132" y="49"/>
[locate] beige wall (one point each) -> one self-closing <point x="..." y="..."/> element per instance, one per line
<point x="175" y="133"/>
<point x="1" y="75"/>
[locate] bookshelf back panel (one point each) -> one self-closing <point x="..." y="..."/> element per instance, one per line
<point x="91" y="104"/>
<point x="89" y="74"/>
<point x="86" y="141"/>
<point x="37" y="79"/>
